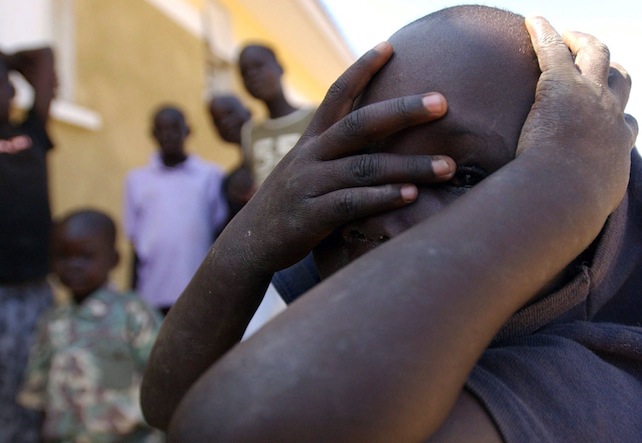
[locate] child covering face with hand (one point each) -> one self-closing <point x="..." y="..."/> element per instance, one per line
<point x="449" y="260"/>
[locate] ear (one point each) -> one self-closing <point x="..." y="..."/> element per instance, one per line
<point x="188" y="130"/>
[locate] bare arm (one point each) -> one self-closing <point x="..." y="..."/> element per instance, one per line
<point x="37" y="67"/>
<point x="385" y="357"/>
<point x="283" y="222"/>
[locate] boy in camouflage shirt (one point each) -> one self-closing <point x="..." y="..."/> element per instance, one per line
<point x="86" y="363"/>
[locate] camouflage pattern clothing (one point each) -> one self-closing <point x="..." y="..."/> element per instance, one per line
<point x="86" y="366"/>
<point x="21" y="304"/>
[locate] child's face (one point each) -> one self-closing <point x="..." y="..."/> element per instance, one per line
<point x="488" y="100"/>
<point x="7" y="93"/>
<point x="476" y="157"/>
<point x="260" y="72"/>
<point x="228" y="116"/>
<point x="82" y="259"/>
<point x="170" y="131"/>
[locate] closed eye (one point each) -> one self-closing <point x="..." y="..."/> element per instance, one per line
<point x="468" y="176"/>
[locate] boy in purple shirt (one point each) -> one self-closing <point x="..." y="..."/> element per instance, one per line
<point x="173" y="208"/>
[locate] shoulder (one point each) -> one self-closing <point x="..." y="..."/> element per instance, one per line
<point x="121" y="300"/>
<point x="134" y="305"/>
<point x="298" y="119"/>
<point x="53" y="314"/>
<point x="205" y="166"/>
<point x="529" y="384"/>
<point x="125" y="304"/>
<point x="140" y="173"/>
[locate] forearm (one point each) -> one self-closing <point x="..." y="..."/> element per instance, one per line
<point x="382" y="339"/>
<point x="207" y="320"/>
<point x="37" y="67"/>
<point x="380" y="350"/>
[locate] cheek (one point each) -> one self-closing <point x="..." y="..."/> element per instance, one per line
<point x="353" y="240"/>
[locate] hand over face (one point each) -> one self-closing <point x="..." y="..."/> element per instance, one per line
<point x="327" y="179"/>
<point x="579" y="109"/>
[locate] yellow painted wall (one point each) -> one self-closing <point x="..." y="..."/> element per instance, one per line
<point x="130" y="58"/>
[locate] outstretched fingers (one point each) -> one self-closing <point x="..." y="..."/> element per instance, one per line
<point x="381" y="168"/>
<point x="340" y="97"/>
<point x="363" y="185"/>
<point x="620" y="83"/>
<point x="552" y="52"/>
<point x="377" y="121"/>
<point x="592" y="57"/>
<point x="345" y="205"/>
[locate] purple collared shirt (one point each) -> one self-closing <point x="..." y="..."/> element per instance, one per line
<point x="171" y="216"/>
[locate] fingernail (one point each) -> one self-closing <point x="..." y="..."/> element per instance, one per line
<point x="441" y="167"/>
<point x="434" y="103"/>
<point x="381" y="46"/>
<point x="408" y="193"/>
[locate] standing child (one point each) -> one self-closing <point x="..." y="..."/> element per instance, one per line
<point x="266" y="142"/>
<point x="228" y="115"/>
<point x="173" y="209"/>
<point x="86" y="363"/>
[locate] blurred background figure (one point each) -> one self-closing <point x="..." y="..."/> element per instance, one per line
<point x="266" y="142"/>
<point x="228" y="115"/>
<point x="174" y="207"/>
<point x="25" y="220"/>
<point x="110" y="77"/>
<point x="87" y="361"/>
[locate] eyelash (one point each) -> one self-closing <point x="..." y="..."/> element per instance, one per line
<point x="468" y="176"/>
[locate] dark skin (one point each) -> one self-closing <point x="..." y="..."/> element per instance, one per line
<point x="83" y="254"/>
<point x="228" y="116"/>
<point x="261" y="73"/>
<point x="372" y="320"/>
<point x="170" y="132"/>
<point x="37" y="67"/>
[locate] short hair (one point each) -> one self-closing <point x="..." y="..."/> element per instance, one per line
<point x="170" y="110"/>
<point x="480" y="58"/>
<point x="92" y="220"/>
<point x="482" y="15"/>
<point x="227" y="98"/>
<point x="262" y="47"/>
